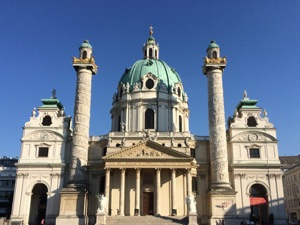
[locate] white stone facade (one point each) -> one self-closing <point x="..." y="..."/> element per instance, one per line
<point x="149" y="162"/>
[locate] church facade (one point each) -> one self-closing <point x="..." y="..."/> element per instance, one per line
<point x="149" y="163"/>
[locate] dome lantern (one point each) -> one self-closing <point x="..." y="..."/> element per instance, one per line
<point x="213" y="50"/>
<point x="150" y="48"/>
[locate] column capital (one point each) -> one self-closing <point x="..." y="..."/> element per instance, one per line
<point x="158" y="169"/>
<point x="123" y="169"/>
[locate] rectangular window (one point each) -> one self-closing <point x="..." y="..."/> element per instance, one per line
<point x="193" y="152"/>
<point x="43" y="152"/>
<point x="104" y="151"/>
<point x="194" y="184"/>
<point x="254" y="153"/>
<point x="4" y="183"/>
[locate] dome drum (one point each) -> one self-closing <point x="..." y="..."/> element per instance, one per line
<point x="150" y="95"/>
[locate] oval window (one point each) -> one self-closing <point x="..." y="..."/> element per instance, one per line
<point x="149" y="84"/>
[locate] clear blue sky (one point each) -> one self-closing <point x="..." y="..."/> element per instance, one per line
<point x="261" y="40"/>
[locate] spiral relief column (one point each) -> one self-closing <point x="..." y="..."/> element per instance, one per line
<point x="73" y="197"/>
<point x="85" y="67"/>
<point x="213" y="69"/>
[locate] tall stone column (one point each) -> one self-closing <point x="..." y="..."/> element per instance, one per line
<point x="158" y="184"/>
<point x="213" y="69"/>
<point x="122" y="192"/>
<point x="174" y="209"/>
<point x="85" y="67"/>
<point x="220" y="189"/>
<point x="73" y="198"/>
<point x="107" y="188"/>
<point x="137" y="191"/>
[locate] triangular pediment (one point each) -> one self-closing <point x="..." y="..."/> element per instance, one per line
<point x="148" y="150"/>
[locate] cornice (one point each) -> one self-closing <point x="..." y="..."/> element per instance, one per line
<point x="40" y="165"/>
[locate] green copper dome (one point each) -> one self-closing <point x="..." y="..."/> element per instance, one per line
<point x="159" y="68"/>
<point x="86" y="44"/>
<point x="213" y="44"/>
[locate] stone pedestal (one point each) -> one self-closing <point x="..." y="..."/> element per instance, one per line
<point x="73" y="203"/>
<point x="101" y="218"/>
<point x="222" y="206"/>
<point x="193" y="219"/>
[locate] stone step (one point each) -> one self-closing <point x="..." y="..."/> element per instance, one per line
<point x="146" y="220"/>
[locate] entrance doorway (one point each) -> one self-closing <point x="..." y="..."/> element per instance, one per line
<point x="259" y="204"/>
<point x="38" y="204"/>
<point x="147" y="203"/>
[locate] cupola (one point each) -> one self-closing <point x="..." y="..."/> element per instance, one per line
<point x="151" y="49"/>
<point x="86" y="50"/>
<point x="213" y="50"/>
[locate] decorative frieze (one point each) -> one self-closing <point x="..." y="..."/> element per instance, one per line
<point x="22" y="174"/>
<point x="274" y="175"/>
<point x="43" y="136"/>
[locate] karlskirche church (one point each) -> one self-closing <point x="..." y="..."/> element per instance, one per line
<point x="149" y="168"/>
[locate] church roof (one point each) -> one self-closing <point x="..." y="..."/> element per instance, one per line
<point x="159" y="68"/>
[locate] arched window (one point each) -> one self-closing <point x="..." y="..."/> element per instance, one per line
<point x="102" y="185"/>
<point x="47" y="121"/>
<point x="156" y="54"/>
<point x="214" y="53"/>
<point x="120" y="92"/>
<point x="251" y="122"/>
<point x="149" y="119"/>
<point x="145" y="53"/>
<point x="179" y="91"/>
<point x="84" y="54"/>
<point x="150" y="53"/>
<point x="180" y="123"/>
<point x="119" y="123"/>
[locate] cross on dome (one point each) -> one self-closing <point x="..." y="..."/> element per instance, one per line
<point x="53" y="93"/>
<point x="245" y="94"/>
<point x="151" y="30"/>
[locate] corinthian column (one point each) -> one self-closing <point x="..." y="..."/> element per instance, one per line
<point x="85" y="67"/>
<point x="174" y="209"/>
<point x="122" y="192"/>
<point x="158" y="184"/>
<point x="107" y="188"/>
<point x="213" y="69"/>
<point x="137" y="191"/>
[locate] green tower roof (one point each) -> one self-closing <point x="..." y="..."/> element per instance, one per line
<point x="159" y="68"/>
<point x="247" y="103"/>
<point x="86" y="44"/>
<point x="51" y="103"/>
<point x="213" y="44"/>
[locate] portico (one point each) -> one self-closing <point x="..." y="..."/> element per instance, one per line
<point x="142" y="178"/>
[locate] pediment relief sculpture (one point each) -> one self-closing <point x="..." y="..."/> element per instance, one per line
<point x="253" y="136"/>
<point x="148" y="149"/>
<point x="43" y="136"/>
